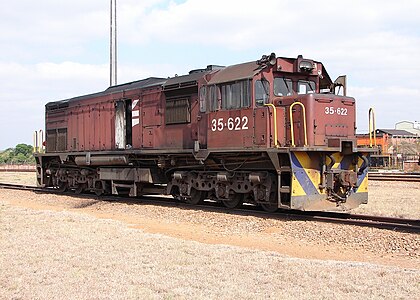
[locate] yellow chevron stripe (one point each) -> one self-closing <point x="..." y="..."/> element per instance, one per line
<point x="308" y="164"/>
<point x="314" y="176"/>
<point x="297" y="189"/>
<point x="303" y="158"/>
<point x="360" y="162"/>
<point x="363" y="188"/>
<point x="338" y="158"/>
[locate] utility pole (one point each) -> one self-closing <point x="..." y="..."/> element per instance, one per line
<point x="113" y="44"/>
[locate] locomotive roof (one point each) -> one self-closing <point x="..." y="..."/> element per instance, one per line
<point x="148" y="82"/>
<point x="236" y="72"/>
<point x="185" y="80"/>
<point x="219" y="74"/>
<point x="250" y="69"/>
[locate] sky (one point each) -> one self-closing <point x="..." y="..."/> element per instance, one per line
<point x="53" y="50"/>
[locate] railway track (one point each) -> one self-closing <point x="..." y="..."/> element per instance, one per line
<point x="410" y="177"/>
<point x="396" y="224"/>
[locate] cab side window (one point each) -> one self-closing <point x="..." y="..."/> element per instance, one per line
<point x="262" y="92"/>
<point x="202" y="99"/>
<point x="235" y="94"/>
<point x="212" y="94"/>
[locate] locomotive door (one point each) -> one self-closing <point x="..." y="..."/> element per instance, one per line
<point x="296" y="127"/>
<point x="261" y="134"/>
<point x="202" y="119"/>
<point x="123" y="121"/>
<point x="136" y="123"/>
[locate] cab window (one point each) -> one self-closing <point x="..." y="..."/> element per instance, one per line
<point x="306" y="87"/>
<point x="283" y="87"/>
<point x="235" y="94"/>
<point x="203" y="99"/>
<point x="213" y="97"/>
<point x="262" y="92"/>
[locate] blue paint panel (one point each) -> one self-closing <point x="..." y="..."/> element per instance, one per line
<point x="302" y="177"/>
<point x="361" y="177"/>
<point x="346" y="162"/>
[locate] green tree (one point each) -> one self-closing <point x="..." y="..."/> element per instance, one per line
<point x="24" y="149"/>
<point x="21" y="154"/>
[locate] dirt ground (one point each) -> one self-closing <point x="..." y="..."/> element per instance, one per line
<point x="59" y="246"/>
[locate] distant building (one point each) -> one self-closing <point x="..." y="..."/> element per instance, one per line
<point x="413" y="127"/>
<point x="395" y="146"/>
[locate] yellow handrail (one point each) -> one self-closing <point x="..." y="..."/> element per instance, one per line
<point x="35" y="150"/>
<point x="304" y="123"/>
<point x="372" y="124"/>
<point x="275" y="122"/>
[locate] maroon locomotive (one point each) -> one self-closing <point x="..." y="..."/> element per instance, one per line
<point x="272" y="132"/>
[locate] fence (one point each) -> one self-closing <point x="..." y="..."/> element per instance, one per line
<point x="17" y="168"/>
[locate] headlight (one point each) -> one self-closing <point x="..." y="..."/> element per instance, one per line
<point x="306" y="66"/>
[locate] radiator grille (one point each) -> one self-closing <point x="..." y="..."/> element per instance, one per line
<point x="178" y="111"/>
<point x="56" y="140"/>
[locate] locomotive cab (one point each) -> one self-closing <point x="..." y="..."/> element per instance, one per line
<point x="287" y="111"/>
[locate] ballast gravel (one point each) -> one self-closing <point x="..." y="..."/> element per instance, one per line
<point x="55" y="247"/>
<point x="47" y="254"/>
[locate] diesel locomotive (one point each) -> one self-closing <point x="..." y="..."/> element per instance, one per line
<point x="276" y="132"/>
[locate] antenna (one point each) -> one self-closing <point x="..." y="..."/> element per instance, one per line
<point x="113" y="44"/>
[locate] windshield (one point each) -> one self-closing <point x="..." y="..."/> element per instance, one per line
<point x="306" y="87"/>
<point x="282" y="86"/>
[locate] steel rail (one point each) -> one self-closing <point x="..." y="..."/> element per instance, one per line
<point x="390" y="223"/>
<point x="394" y="177"/>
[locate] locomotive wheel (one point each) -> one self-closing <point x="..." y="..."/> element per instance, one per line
<point x="62" y="186"/>
<point x="235" y="202"/>
<point x="196" y="197"/>
<point x="80" y="188"/>
<point x="98" y="188"/>
<point x="269" y="207"/>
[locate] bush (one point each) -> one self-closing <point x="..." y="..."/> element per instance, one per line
<point x="21" y="154"/>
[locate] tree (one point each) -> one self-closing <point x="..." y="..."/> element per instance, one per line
<point x="21" y="154"/>
<point x="24" y="149"/>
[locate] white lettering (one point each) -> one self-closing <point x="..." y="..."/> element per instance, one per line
<point x="330" y="110"/>
<point x="236" y="123"/>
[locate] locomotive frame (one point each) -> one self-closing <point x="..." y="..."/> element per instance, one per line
<point x="272" y="132"/>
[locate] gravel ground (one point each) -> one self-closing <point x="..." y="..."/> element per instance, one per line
<point x="60" y="254"/>
<point x="59" y="246"/>
<point x="393" y="199"/>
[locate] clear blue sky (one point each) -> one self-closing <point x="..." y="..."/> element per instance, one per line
<point x="52" y="50"/>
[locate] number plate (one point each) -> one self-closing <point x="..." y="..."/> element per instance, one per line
<point x="330" y="110"/>
<point x="238" y="123"/>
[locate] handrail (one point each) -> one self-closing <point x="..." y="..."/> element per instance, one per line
<point x="35" y="149"/>
<point x="41" y="141"/>
<point x="304" y="123"/>
<point x="275" y="122"/>
<point x="38" y="141"/>
<point x="372" y="124"/>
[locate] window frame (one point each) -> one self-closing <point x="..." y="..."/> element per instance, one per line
<point x="202" y="98"/>
<point x="286" y="81"/>
<point x="307" y="82"/>
<point x="267" y="92"/>
<point x="229" y="95"/>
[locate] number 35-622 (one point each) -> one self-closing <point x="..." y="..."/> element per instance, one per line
<point x="237" y="123"/>
<point x="339" y="111"/>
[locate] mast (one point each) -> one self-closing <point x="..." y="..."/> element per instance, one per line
<point x="113" y="43"/>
